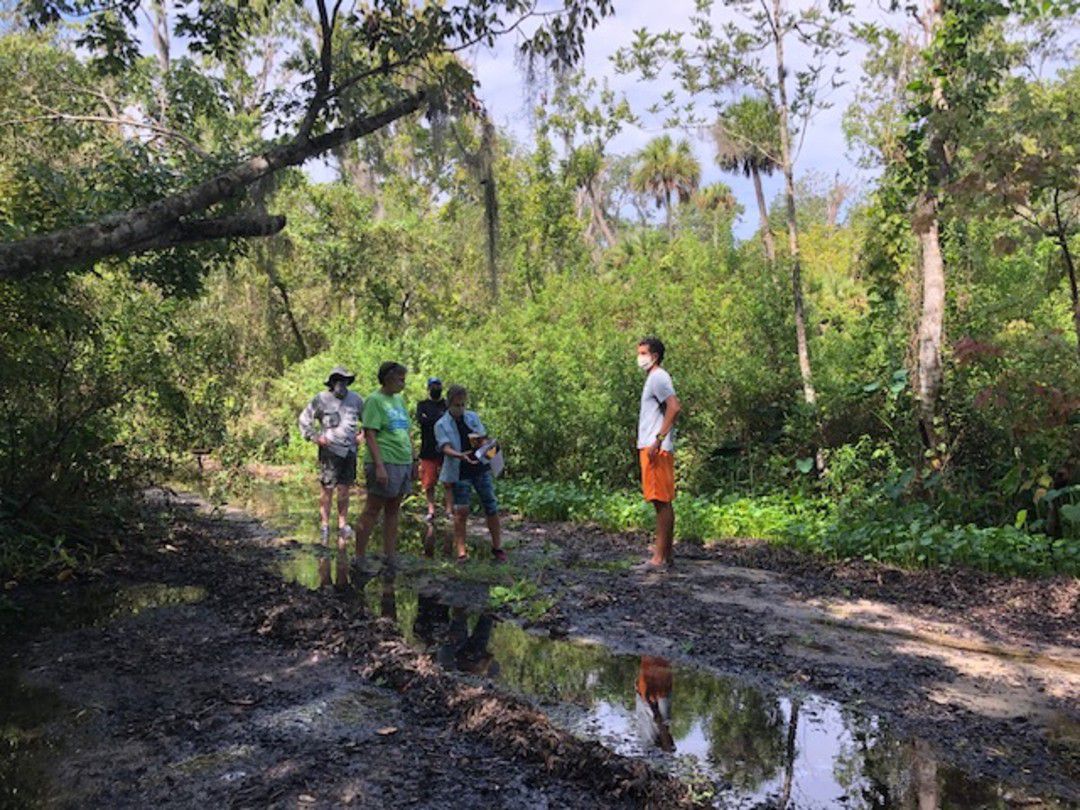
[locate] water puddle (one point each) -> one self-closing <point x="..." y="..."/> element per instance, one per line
<point x="738" y="745"/>
<point x="25" y="745"/>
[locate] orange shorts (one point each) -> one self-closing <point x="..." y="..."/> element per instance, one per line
<point x="657" y="476"/>
<point x="429" y="472"/>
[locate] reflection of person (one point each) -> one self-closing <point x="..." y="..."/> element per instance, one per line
<point x="428" y="412"/>
<point x="431" y="611"/>
<point x="467" y="651"/>
<point x="458" y="434"/>
<point x="388" y="597"/>
<point x="656" y="446"/>
<point x="653" y="702"/>
<point x="388" y="460"/>
<point x="331" y="420"/>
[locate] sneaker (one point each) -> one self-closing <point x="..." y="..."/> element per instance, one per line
<point x="462" y="559"/>
<point x="498" y="555"/>
<point x="345" y="533"/>
<point x="324" y="534"/>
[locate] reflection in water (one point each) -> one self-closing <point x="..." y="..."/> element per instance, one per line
<point x="467" y="650"/>
<point x="388" y="597"/>
<point x="772" y="749"/>
<point x="653" y="702"/>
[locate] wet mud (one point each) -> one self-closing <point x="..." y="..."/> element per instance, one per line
<point x="233" y="687"/>
<point x="238" y="663"/>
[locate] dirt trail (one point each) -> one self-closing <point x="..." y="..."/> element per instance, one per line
<point x="248" y="691"/>
<point x="190" y="673"/>
<point x="997" y="686"/>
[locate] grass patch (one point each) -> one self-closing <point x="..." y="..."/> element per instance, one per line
<point x="872" y="527"/>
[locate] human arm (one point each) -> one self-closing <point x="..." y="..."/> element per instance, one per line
<point x="307" y="420"/>
<point x="381" y="475"/>
<point x="449" y="451"/>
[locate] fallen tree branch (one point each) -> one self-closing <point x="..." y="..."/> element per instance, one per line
<point x="123" y="232"/>
<point x="204" y="230"/>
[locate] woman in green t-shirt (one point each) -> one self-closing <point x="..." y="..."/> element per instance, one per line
<point x="389" y="464"/>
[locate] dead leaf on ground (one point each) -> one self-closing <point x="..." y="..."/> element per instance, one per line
<point x="387" y="730"/>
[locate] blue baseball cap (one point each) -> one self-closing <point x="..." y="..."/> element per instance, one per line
<point x="433" y="381"/>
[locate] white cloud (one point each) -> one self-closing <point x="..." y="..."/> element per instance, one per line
<point x="502" y="88"/>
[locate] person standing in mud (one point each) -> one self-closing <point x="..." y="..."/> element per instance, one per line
<point x="428" y="412"/>
<point x="331" y="420"/>
<point x="389" y="465"/>
<point x="656" y="447"/>
<point x="457" y="435"/>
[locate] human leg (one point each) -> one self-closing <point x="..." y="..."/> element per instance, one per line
<point x="462" y="492"/>
<point x="326" y="494"/>
<point x="342" y="507"/>
<point x="665" y="532"/>
<point x="373" y="506"/>
<point x="485" y="488"/>
<point x="391" y="518"/>
<point x="658" y="487"/>
<point x="429" y="479"/>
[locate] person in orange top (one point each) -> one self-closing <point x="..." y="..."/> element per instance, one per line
<point x="656" y="446"/>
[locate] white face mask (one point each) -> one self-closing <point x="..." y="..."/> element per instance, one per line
<point x="645" y="362"/>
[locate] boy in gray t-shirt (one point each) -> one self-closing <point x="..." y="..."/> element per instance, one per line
<point x="656" y="446"/>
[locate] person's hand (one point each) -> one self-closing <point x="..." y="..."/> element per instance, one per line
<point x="469" y="458"/>
<point x="381" y="476"/>
<point x="654" y="450"/>
<point x="321" y="440"/>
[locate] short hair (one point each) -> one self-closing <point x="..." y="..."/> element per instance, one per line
<point x="390" y="368"/>
<point x="656" y="346"/>
<point x="455" y="392"/>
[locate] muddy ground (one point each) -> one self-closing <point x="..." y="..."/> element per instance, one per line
<point x="221" y="685"/>
<point x="984" y="669"/>
<point x="188" y="672"/>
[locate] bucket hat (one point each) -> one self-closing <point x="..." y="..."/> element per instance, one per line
<point x="339" y="371"/>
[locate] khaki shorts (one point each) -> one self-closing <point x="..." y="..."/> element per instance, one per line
<point x="398" y="484"/>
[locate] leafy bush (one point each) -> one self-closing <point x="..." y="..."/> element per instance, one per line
<point x="875" y="528"/>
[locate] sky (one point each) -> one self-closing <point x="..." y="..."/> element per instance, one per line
<point x="503" y="90"/>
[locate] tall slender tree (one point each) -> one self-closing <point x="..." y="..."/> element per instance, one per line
<point x="746" y="141"/>
<point x="748" y="52"/>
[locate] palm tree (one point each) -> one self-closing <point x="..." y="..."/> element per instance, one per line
<point x="747" y="140"/>
<point x="666" y="168"/>
<point x="718" y="204"/>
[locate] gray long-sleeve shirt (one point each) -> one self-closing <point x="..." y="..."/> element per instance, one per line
<point x="338" y="420"/>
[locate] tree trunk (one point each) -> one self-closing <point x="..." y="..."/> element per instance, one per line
<point x="927" y="227"/>
<point x="809" y="394"/>
<point x="159" y="25"/>
<point x="931" y="321"/>
<point x="763" y="211"/>
<point x="598" y="215"/>
<point x="1062" y="236"/>
<point x="158" y="224"/>
<point x="789" y="753"/>
<point x="491" y="203"/>
<point x="667" y="215"/>
<point x="283" y="291"/>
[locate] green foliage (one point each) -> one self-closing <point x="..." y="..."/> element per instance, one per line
<point x="872" y="527"/>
